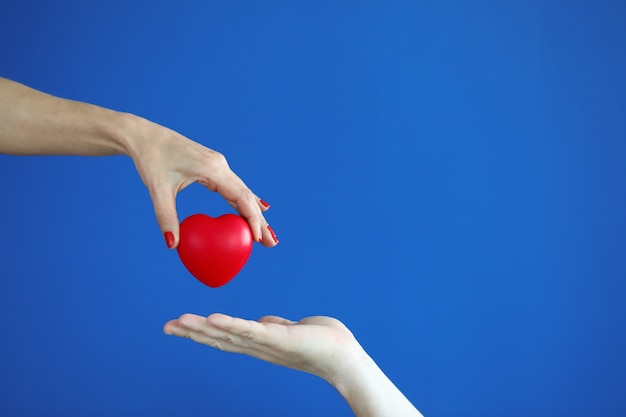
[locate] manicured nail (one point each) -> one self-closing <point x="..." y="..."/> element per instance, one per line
<point x="260" y="235"/>
<point x="265" y="203"/>
<point x="273" y="234"/>
<point x="169" y="239"/>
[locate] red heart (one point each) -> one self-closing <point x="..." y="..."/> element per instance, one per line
<point x="214" y="249"/>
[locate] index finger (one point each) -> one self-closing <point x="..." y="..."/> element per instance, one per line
<point x="249" y="206"/>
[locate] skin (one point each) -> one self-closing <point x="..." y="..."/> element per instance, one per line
<point x="35" y="123"/>
<point x="322" y="346"/>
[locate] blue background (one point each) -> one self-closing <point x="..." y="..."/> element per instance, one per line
<point x="446" y="178"/>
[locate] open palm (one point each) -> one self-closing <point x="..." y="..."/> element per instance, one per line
<point x="320" y="345"/>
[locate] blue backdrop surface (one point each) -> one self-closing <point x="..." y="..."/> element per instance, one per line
<point x="447" y="178"/>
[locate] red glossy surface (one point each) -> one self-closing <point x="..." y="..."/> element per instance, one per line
<point x="214" y="249"/>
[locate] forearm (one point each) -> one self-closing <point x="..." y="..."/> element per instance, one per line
<point x="370" y="393"/>
<point x="35" y="123"/>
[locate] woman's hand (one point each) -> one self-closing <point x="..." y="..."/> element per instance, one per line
<point x="169" y="162"/>
<point x="35" y="123"/>
<point x="319" y="345"/>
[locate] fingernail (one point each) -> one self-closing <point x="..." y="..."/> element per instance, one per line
<point x="273" y="234"/>
<point x="260" y="235"/>
<point x="169" y="239"/>
<point x="265" y="203"/>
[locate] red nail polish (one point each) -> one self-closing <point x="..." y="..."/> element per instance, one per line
<point x="169" y="239"/>
<point x="273" y="234"/>
<point x="265" y="203"/>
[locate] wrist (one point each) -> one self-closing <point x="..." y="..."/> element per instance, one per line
<point x="369" y="392"/>
<point x="357" y="367"/>
<point x="125" y="133"/>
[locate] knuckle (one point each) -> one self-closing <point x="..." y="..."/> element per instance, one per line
<point x="247" y="335"/>
<point x="216" y="344"/>
<point x="219" y="158"/>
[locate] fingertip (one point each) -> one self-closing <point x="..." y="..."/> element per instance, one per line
<point x="176" y="241"/>
<point x="171" y="234"/>
<point x="269" y="238"/>
<point x="168" y="328"/>
<point x="269" y="243"/>
<point x="256" y="228"/>
<point x="170" y="240"/>
<point x="166" y="216"/>
<point x="273" y="234"/>
<point x="264" y="205"/>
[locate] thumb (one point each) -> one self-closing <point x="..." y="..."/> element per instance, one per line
<point x="164" y="200"/>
